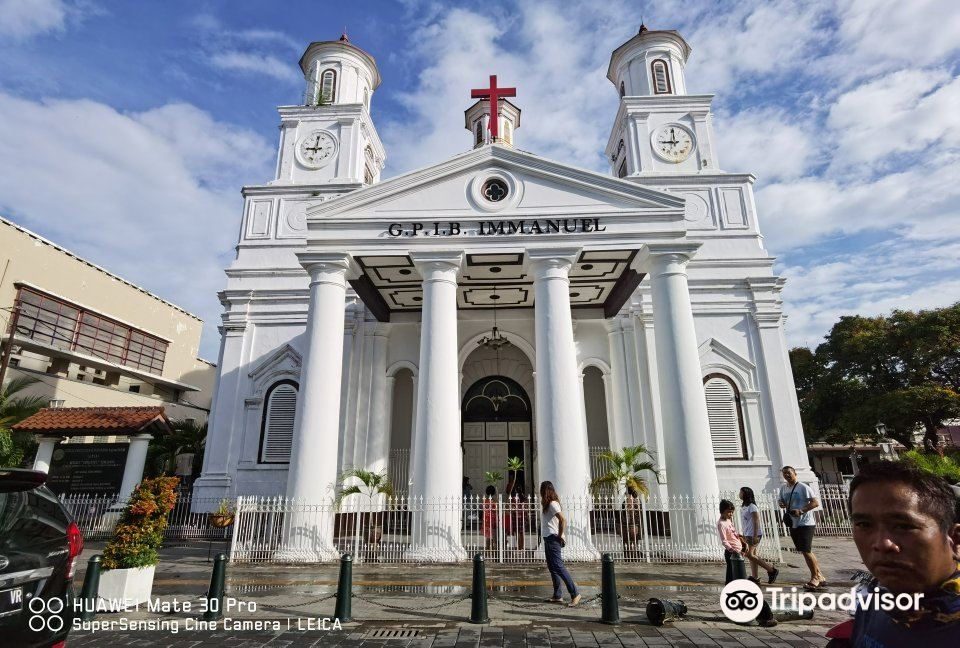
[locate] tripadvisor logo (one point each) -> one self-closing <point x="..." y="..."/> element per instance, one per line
<point x="741" y="600"/>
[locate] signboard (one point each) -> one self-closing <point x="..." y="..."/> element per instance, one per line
<point x="87" y="468"/>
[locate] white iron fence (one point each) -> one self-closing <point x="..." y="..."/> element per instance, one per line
<point x="502" y="530"/>
<point x="96" y="515"/>
<point x="833" y="517"/>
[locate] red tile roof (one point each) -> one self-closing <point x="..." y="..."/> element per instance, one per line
<point x="96" y="420"/>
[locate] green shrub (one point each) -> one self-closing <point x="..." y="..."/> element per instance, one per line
<point x="946" y="466"/>
<point x="138" y="535"/>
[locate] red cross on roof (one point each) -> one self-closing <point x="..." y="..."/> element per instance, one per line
<point x="494" y="94"/>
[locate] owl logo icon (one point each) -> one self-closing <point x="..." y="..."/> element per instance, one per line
<point x="741" y="600"/>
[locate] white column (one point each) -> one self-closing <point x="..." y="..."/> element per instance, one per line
<point x="621" y="421"/>
<point x="562" y="455"/>
<point x="313" y="459"/>
<point x="226" y="412"/>
<point x="438" y="465"/>
<point x="45" y="453"/>
<point x="133" y="468"/>
<point x="689" y="452"/>
<point x="378" y="427"/>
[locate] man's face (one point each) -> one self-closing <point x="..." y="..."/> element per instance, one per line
<point x="902" y="546"/>
<point x="790" y="475"/>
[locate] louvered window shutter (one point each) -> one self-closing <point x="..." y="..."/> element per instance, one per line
<point x="278" y="424"/>
<point x="328" y="82"/>
<point x="722" y="412"/>
<point x="661" y="80"/>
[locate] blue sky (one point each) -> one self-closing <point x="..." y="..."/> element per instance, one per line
<point x="128" y="128"/>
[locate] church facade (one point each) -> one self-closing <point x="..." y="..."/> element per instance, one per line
<point x="498" y="304"/>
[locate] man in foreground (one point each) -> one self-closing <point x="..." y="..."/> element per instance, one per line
<point x="905" y="528"/>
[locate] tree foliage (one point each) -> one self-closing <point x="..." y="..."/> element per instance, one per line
<point x="624" y="470"/>
<point x="14" y="446"/>
<point x="902" y="369"/>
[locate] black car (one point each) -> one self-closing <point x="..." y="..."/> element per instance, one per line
<point x="39" y="546"/>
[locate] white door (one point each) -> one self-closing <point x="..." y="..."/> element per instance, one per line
<point x="496" y="461"/>
<point x="473" y="462"/>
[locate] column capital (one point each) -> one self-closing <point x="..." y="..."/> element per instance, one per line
<point x="438" y="265"/>
<point x="556" y="262"/>
<point x="327" y="267"/>
<point x="658" y="259"/>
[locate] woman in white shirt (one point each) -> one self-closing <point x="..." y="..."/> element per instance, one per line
<point x="752" y="530"/>
<point x="552" y="525"/>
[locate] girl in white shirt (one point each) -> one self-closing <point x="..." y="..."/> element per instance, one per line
<point x="552" y="524"/>
<point x="752" y="530"/>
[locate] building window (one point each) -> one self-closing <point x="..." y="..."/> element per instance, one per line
<point x="661" y="77"/>
<point x="66" y="326"/>
<point x="276" y="429"/>
<point x="623" y="90"/>
<point x="328" y="86"/>
<point x="507" y="132"/>
<point x="726" y="417"/>
<point x="622" y="169"/>
<point x="478" y="131"/>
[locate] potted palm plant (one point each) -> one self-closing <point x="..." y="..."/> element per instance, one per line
<point x="623" y="475"/>
<point x="131" y="556"/>
<point x="514" y="466"/>
<point x="372" y="485"/>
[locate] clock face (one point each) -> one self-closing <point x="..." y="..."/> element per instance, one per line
<point x="673" y="143"/>
<point x="316" y="149"/>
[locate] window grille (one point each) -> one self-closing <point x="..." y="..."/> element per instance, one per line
<point x="328" y="86"/>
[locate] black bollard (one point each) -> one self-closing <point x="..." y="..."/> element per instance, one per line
<point x="659" y="611"/>
<point x="343" y="612"/>
<point x="769" y="617"/>
<point x="608" y="592"/>
<point x="478" y="594"/>
<point x="90" y="590"/>
<point x="217" y="585"/>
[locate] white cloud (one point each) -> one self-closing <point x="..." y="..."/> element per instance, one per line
<point x="260" y="63"/>
<point x="902" y="112"/>
<point x="22" y="19"/>
<point x="768" y="142"/>
<point x="152" y="196"/>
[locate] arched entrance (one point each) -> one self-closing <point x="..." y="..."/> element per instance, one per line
<point x="497" y="420"/>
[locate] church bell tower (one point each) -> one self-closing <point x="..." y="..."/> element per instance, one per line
<point x="330" y="138"/>
<point x="659" y="128"/>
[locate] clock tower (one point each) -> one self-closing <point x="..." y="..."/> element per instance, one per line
<point x="331" y="139"/>
<point x="659" y="128"/>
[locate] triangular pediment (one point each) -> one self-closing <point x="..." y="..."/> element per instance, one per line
<point x="284" y="362"/>
<point x="537" y="187"/>
<point x="715" y="354"/>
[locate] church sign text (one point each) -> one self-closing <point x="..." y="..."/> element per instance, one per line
<point x="499" y="228"/>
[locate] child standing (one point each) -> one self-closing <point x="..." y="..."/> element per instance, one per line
<point x="728" y="536"/>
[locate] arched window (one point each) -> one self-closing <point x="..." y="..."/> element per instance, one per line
<point x="328" y="86"/>
<point x="276" y="427"/>
<point x="661" y="77"/>
<point x="623" y="90"/>
<point x="507" y="132"/>
<point x="725" y="416"/>
<point x="478" y="130"/>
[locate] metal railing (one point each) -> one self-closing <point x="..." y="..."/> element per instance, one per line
<point x="833" y="515"/>
<point x="681" y="529"/>
<point x="96" y="516"/>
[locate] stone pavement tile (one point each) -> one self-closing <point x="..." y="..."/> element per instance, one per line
<point x="607" y="639"/>
<point x="446" y="639"/>
<point x="699" y="637"/>
<point x="629" y="638"/>
<point x="745" y="639"/>
<point x="561" y="638"/>
<point x="676" y="637"/>
<point x="583" y="639"/>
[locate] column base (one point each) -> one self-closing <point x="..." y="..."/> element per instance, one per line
<point x="425" y="554"/>
<point x="208" y="490"/>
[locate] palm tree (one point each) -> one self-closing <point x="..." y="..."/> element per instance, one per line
<point x="624" y="470"/>
<point x="372" y="484"/>
<point x="492" y="477"/>
<point x="13" y="409"/>
<point x="514" y="466"/>
<point x="188" y="436"/>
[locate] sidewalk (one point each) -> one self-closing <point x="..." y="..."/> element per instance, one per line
<point x="433" y="600"/>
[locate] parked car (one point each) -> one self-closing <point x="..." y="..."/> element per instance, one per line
<point x="39" y="547"/>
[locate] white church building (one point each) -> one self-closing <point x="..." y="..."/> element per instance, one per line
<point x="499" y="304"/>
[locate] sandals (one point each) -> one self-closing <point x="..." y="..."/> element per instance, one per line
<point x="575" y="601"/>
<point x="772" y="576"/>
<point x="810" y="585"/>
<point x="553" y="600"/>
